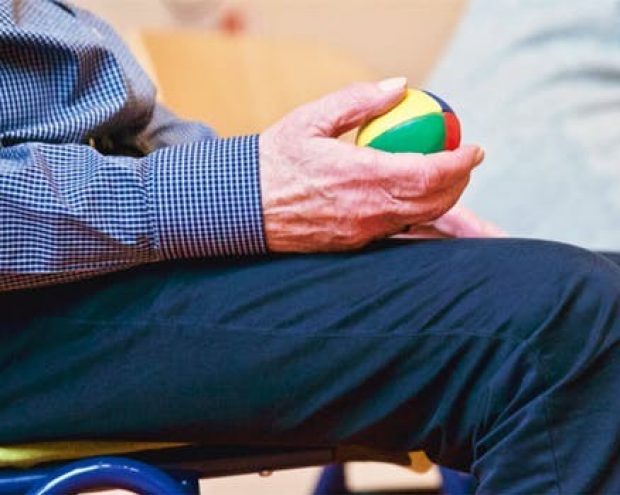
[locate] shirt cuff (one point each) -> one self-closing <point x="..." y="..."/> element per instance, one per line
<point x="207" y="199"/>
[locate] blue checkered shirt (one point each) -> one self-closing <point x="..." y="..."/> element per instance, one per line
<point x="94" y="175"/>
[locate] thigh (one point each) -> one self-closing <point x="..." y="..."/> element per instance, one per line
<point x="381" y="348"/>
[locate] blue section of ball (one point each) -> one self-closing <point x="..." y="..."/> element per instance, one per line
<point x="444" y="106"/>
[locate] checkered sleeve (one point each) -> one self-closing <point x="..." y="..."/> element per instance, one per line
<point x="213" y="209"/>
<point x="68" y="212"/>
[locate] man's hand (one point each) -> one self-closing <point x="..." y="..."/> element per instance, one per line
<point x="321" y="194"/>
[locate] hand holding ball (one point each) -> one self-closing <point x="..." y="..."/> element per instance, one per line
<point x="420" y="123"/>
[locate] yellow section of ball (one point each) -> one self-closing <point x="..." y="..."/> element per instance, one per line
<point x="415" y="104"/>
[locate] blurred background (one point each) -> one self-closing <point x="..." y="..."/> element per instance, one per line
<point x="390" y="37"/>
<point x="311" y="45"/>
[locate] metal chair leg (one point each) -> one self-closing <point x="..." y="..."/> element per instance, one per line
<point x="332" y="481"/>
<point x="104" y="472"/>
<point x="456" y="483"/>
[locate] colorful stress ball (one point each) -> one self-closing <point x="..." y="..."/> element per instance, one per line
<point x="421" y="123"/>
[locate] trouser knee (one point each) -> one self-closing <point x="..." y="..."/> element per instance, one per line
<point x="556" y="294"/>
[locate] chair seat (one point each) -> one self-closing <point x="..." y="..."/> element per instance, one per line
<point x="210" y="461"/>
<point x="33" y="454"/>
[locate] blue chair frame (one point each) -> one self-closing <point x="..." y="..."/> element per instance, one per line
<point x="94" y="473"/>
<point x="168" y="471"/>
<point x="178" y="472"/>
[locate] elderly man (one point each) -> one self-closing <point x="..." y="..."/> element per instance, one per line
<point x="498" y="356"/>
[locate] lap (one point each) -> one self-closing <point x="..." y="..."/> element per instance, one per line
<point x="280" y="291"/>
<point x="317" y="350"/>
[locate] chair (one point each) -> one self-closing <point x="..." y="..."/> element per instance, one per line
<point x="175" y="469"/>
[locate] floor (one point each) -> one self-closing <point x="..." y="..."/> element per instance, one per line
<point x="367" y="476"/>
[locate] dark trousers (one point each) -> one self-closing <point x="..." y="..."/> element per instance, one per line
<point x="498" y="356"/>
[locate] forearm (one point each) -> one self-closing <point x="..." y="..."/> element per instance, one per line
<point x="68" y="212"/>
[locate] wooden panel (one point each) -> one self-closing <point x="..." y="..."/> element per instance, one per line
<point x="242" y="84"/>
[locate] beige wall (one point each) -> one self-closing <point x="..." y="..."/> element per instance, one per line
<point x="391" y="37"/>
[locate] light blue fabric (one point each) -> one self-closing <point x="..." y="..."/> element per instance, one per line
<point x="537" y="83"/>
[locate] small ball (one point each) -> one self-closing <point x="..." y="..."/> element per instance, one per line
<point x="420" y="123"/>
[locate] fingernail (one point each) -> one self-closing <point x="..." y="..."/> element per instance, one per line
<point x="479" y="155"/>
<point x="392" y="84"/>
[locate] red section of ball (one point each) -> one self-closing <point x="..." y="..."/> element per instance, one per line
<point x="453" y="131"/>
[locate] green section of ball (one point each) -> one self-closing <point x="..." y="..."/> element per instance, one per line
<point x="426" y="134"/>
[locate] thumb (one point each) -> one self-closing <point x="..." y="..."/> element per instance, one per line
<point x="339" y="112"/>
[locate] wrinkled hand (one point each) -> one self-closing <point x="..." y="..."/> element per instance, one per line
<point x="458" y="222"/>
<point x="322" y="194"/>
